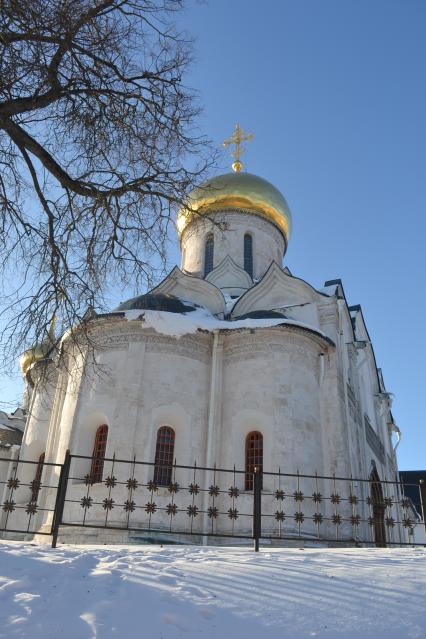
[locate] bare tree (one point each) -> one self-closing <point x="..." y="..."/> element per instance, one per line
<point x="97" y="149"/>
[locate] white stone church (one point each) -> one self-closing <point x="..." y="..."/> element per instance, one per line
<point x="231" y="361"/>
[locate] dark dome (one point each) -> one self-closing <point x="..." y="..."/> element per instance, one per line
<point x="156" y="302"/>
<point x="261" y="315"/>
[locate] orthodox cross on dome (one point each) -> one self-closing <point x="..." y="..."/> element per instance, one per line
<point x="237" y="138"/>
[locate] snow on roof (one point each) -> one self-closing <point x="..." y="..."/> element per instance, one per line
<point x="177" y="325"/>
<point x="230" y="301"/>
<point x="9" y="435"/>
<point x="14" y="421"/>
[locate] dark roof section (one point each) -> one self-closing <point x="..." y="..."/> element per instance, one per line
<point x="337" y="281"/>
<point x="410" y="479"/>
<point x="261" y="315"/>
<point x="111" y="314"/>
<point x="156" y="302"/>
<point x="10" y="436"/>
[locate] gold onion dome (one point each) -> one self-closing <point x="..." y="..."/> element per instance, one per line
<point x="32" y="355"/>
<point x="237" y="190"/>
<point x="38" y="352"/>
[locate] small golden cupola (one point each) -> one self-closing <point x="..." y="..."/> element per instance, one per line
<point x="38" y="352"/>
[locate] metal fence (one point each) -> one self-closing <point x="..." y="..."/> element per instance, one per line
<point x="30" y="494"/>
<point x="196" y="503"/>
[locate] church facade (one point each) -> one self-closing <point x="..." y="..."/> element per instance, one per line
<point x="231" y="361"/>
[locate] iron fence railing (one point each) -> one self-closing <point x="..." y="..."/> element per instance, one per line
<point x="192" y="504"/>
<point x="28" y="493"/>
<point x="340" y="509"/>
<point x="200" y="503"/>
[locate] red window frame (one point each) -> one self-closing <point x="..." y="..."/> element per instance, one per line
<point x="36" y="483"/>
<point x="99" y="450"/>
<point x="254" y="456"/>
<point x="164" y="452"/>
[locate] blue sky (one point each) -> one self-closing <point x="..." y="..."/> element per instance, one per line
<point x="335" y="94"/>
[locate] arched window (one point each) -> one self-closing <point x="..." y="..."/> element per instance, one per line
<point x="208" y="254"/>
<point x="248" y="254"/>
<point x="99" y="450"/>
<point x="254" y="456"/>
<point x="378" y="507"/>
<point x="164" y="451"/>
<point x="36" y="483"/>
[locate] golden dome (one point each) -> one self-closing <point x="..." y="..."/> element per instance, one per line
<point x="39" y="351"/>
<point x="32" y="355"/>
<point x="238" y="190"/>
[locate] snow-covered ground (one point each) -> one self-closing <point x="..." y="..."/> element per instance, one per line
<point x="155" y="592"/>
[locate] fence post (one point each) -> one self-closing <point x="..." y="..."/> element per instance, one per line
<point x="422" y="491"/>
<point x="60" y="498"/>
<point x="257" y="507"/>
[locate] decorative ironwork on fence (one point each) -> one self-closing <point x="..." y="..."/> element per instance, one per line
<point x="196" y="502"/>
<point x="30" y="490"/>
<point x="134" y="497"/>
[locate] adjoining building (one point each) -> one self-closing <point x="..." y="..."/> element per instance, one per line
<point x="11" y="429"/>
<point x="411" y="480"/>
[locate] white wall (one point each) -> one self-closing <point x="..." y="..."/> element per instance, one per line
<point x="228" y="229"/>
